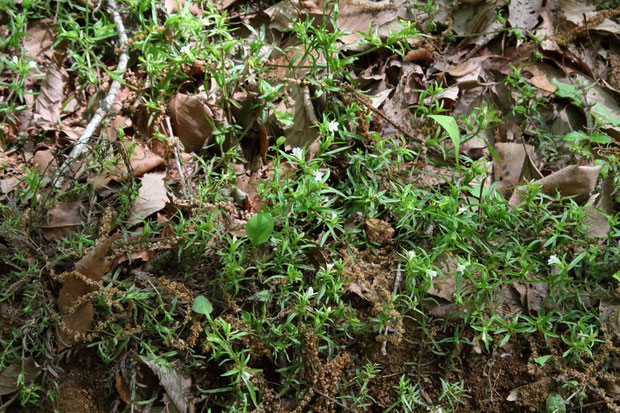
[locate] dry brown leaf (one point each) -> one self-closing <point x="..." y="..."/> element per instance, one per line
<point x="192" y="120"/>
<point x="141" y="160"/>
<point x="48" y="104"/>
<point x="152" y="197"/>
<point x="44" y="161"/>
<point x="303" y="132"/>
<point x="575" y="11"/>
<point x="62" y="220"/>
<point x="546" y="31"/>
<point x="93" y="266"/>
<point x="10" y="380"/>
<point x="523" y="14"/>
<point x="40" y="38"/>
<point x="536" y="295"/>
<point x="354" y="17"/>
<point x="176" y="383"/>
<point x="542" y="74"/>
<point x="509" y="171"/>
<point x="598" y="224"/>
<point x="573" y="180"/>
<point x="174" y="6"/>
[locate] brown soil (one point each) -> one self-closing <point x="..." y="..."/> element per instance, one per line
<point x="83" y="387"/>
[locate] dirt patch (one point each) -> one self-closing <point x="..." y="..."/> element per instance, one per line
<point x="85" y="386"/>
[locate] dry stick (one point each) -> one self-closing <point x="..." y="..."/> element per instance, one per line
<point x="105" y="105"/>
<point x="175" y="144"/>
<point x="394" y="291"/>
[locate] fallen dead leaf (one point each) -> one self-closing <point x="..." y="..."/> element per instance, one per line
<point x="303" y="131"/>
<point x="44" y="161"/>
<point x="577" y="181"/>
<point x="141" y="160"/>
<point x="597" y="223"/>
<point x="192" y="120"/>
<point x="176" y="383"/>
<point x="62" y="220"/>
<point x="93" y="266"/>
<point x="175" y="6"/>
<point x="48" y="103"/>
<point x="523" y="14"/>
<point x="152" y="197"/>
<point x="40" y="38"/>
<point x="9" y="377"/>
<point x="508" y="170"/>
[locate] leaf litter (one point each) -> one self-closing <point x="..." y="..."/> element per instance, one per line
<point x="472" y="70"/>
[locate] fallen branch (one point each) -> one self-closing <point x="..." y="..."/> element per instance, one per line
<point x="104" y="106"/>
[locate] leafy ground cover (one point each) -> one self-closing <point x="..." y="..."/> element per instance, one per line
<point x="309" y="206"/>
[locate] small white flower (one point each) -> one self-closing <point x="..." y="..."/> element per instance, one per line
<point x="461" y="268"/>
<point x="273" y="242"/>
<point x="15" y="60"/>
<point x="462" y="210"/>
<point x="298" y="153"/>
<point x="310" y="292"/>
<point x="185" y="49"/>
<point x="318" y="175"/>
<point x="333" y="126"/>
<point x="553" y="260"/>
<point x="32" y="64"/>
<point x="329" y="267"/>
<point x="410" y="255"/>
<point x="431" y="273"/>
<point x="246" y="375"/>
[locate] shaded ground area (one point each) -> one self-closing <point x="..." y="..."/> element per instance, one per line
<point x="309" y="206"/>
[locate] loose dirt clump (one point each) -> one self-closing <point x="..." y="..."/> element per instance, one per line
<point x="83" y="386"/>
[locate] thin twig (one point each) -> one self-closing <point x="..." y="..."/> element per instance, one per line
<point x="175" y="145"/>
<point x="105" y="105"/>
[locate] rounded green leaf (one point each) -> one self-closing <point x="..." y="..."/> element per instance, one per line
<point x="202" y="305"/>
<point x="259" y="228"/>
<point x="555" y="403"/>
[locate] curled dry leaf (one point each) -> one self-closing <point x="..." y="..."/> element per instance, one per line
<point x="48" y="104"/>
<point x="62" y="220"/>
<point x="302" y="132"/>
<point x="78" y="321"/>
<point x="152" y="197"/>
<point x="577" y="181"/>
<point x="509" y="170"/>
<point x="176" y="383"/>
<point x="191" y="120"/>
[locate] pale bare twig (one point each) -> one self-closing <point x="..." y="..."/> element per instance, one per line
<point x="105" y="105"/>
<point x="175" y="145"/>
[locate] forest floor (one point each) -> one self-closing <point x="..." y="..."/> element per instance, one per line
<point x="309" y="206"/>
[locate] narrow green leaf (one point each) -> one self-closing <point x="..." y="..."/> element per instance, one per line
<point x="452" y="128"/>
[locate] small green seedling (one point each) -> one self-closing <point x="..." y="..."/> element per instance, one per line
<point x="542" y="360"/>
<point x="452" y="128"/>
<point x="202" y="305"/>
<point x="259" y="228"/>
